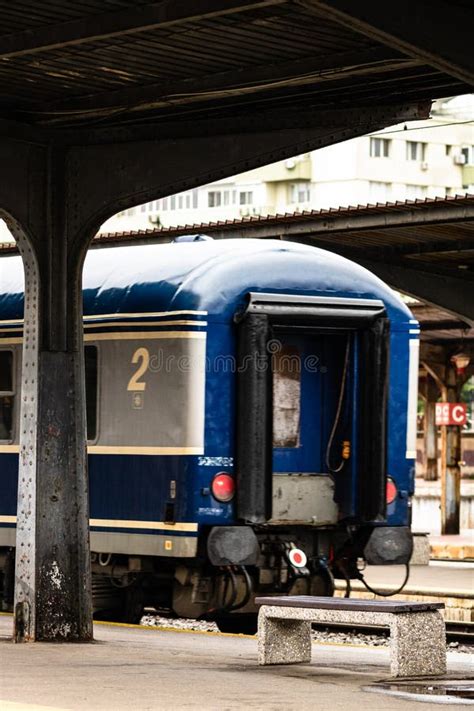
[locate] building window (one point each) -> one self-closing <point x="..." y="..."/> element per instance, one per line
<point x="300" y="192"/>
<point x="468" y="153"/>
<point x="214" y="198"/>
<point x="379" y="192"/>
<point x="448" y="149"/>
<point x="416" y="150"/>
<point x="7" y="395"/>
<point x="380" y="147"/>
<point x="246" y="197"/>
<point x="414" y="192"/>
<point x="91" y="360"/>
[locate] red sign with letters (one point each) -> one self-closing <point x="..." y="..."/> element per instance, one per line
<point x="451" y="413"/>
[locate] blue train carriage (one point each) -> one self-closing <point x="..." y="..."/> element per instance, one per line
<point x="251" y="423"/>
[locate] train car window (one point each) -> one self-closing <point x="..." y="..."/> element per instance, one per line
<point x="286" y="367"/>
<point x="91" y="360"/>
<point x="7" y="395"/>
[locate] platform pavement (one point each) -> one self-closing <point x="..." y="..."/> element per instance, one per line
<point x="146" y="669"/>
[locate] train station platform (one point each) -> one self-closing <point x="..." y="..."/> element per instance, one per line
<point x="130" y="667"/>
<point x="453" y="547"/>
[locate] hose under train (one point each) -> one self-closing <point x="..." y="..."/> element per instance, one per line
<point x="231" y="606"/>
<point x="382" y="593"/>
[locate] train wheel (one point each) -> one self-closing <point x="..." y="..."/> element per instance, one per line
<point x="238" y="624"/>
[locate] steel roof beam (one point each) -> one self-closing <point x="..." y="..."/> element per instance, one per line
<point x="277" y="75"/>
<point x="420" y="246"/>
<point x="157" y="15"/>
<point x="444" y="325"/>
<point x="24" y="133"/>
<point x="432" y="247"/>
<point x="437" y="32"/>
<point x="449" y="293"/>
<point x="334" y="124"/>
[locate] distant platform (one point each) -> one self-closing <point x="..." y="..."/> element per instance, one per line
<point x="453" y="547"/>
<point x="130" y="667"/>
<point x="450" y="582"/>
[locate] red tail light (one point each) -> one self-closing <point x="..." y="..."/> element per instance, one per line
<point x="391" y="491"/>
<point x="223" y="487"/>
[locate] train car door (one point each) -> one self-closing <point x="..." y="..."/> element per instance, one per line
<point x="288" y="447"/>
<point x="311" y="425"/>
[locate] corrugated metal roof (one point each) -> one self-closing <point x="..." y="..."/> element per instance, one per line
<point x="24" y="15"/>
<point x="411" y="223"/>
<point x="438" y="326"/>
<point x="407" y="207"/>
<point x="66" y="64"/>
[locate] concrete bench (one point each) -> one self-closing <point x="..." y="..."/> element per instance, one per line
<point x="417" y="630"/>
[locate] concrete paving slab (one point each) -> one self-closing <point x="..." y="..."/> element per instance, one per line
<point x="146" y="669"/>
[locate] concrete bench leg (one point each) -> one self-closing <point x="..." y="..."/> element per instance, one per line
<point x="418" y="644"/>
<point x="283" y="641"/>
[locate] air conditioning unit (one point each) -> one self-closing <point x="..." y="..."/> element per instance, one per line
<point x="424" y="165"/>
<point x="459" y="159"/>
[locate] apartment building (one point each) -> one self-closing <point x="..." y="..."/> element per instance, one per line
<point x="414" y="160"/>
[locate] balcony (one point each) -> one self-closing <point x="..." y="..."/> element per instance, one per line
<point x="468" y="175"/>
<point x="291" y="169"/>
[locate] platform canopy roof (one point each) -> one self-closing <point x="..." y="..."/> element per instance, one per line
<point x="421" y="247"/>
<point x="128" y="63"/>
<point x="432" y="233"/>
<point x="440" y="327"/>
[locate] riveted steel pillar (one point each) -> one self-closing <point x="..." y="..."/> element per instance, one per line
<point x="431" y="430"/>
<point x="451" y="470"/>
<point x="52" y="577"/>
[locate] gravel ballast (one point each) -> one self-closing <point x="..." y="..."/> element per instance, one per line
<point x="319" y="635"/>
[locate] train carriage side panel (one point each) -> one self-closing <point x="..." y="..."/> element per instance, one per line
<point x="151" y="419"/>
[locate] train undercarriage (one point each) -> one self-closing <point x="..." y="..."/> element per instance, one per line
<point x="292" y="561"/>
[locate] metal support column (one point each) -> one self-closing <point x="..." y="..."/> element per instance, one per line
<point x="451" y="470"/>
<point x="53" y="587"/>
<point x="431" y="431"/>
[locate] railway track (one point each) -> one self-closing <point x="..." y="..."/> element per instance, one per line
<point x="461" y="632"/>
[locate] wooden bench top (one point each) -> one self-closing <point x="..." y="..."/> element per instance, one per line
<point x="349" y="604"/>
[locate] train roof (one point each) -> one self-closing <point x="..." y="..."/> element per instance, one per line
<point x="212" y="276"/>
